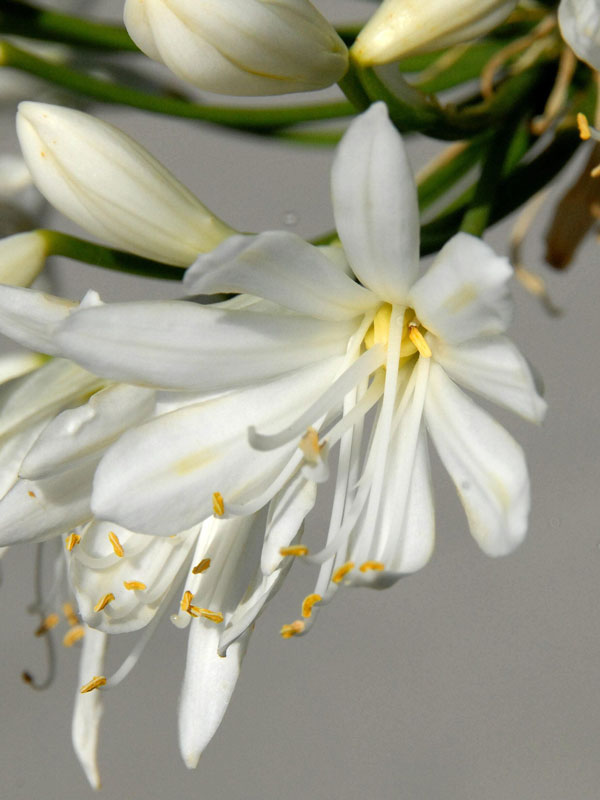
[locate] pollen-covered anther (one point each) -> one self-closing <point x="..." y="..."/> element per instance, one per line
<point x="104" y="601"/>
<point x="96" y="682"/>
<point x="296" y="627"/>
<point x="584" y="127"/>
<point x="70" y="614"/>
<point x="213" y="616"/>
<point x="294" y="550"/>
<point x="186" y="604"/>
<point x="309" y="444"/>
<point x="595" y="173"/>
<point x="47" y="624"/>
<point x="116" y="544"/>
<point x="71" y="540"/>
<point x="308" y="603"/>
<point x="417" y="338"/>
<point x="132" y="586"/>
<point x="375" y="566"/>
<point x="73" y="635"/>
<point x="218" y="504"/>
<point x="341" y="572"/>
<point x="201" y="566"/>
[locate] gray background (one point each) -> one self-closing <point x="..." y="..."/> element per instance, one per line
<point x="475" y="678"/>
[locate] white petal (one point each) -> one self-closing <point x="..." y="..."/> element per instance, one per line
<point x="182" y="345"/>
<point x="111" y="186"/>
<point x="160" y="477"/>
<point x="31" y="317"/>
<point x="38" y="510"/>
<point x="375" y="205"/>
<point x="464" y="293"/>
<point x="22" y="258"/>
<point x="12" y="451"/>
<point x="15" y="365"/>
<point x="484" y="461"/>
<point x="282" y="267"/>
<point x="78" y="432"/>
<point x="240" y="47"/>
<point x="286" y="515"/>
<point x="89" y="707"/>
<point x="493" y="367"/>
<point x="95" y="570"/>
<point x="579" y="22"/>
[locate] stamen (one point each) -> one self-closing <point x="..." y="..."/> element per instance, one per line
<point x="287" y="631"/>
<point x="308" y="603"/>
<point x="294" y="550"/>
<point x="71" y="540"/>
<point x="134" y="585"/>
<point x="371" y="565"/>
<point x="50" y="622"/>
<point x="595" y="173"/>
<point x="117" y="546"/>
<point x="218" y="504"/>
<point x="73" y="635"/>
<point x="186" y="604"/>
<point x="417" y="338"/>
<point x="341" y="572"/>
<point x="96" y="682"/>
<point x="584" y="127"/>
<point x="213" y="616"/>
<point x="70" y="614"/>
<point x="103" y="602"/>
<point x="202" y="566"/>
<point x="309" y="444"/>
<point x="31" y="494"/>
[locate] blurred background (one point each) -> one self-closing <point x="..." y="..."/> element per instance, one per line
<point x="474" y="678"/>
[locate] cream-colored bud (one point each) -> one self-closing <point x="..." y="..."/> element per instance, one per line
<point x="22" y="258"/>
<point x="240" y="47"/>
<point x="403" y="27"/>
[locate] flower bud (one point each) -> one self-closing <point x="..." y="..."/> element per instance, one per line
<point x="403" y="27"/>
<point x="579" y="22"/>
<point x="22" y="258"/>
<point x="104" y="181"/>
<point x="240" y="47"/>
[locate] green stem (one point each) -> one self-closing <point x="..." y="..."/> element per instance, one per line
<point x="353" y="89"/>
<point x="61" y="244"/>
<point x="252" y="119"/>
<point x="22" y="19"/>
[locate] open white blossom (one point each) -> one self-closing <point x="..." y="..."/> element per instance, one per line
<point x="403" y="27"/>
<point x="240" y="47"/>
<point x="579" y="22"/>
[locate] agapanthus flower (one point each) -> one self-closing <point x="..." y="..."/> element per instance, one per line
<point x="579" y="22"/>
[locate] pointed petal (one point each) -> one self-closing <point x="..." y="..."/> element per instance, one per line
<point x="76" y="433"/>
<point x="493" y="367"/>
<point x="160" y="477"/>
<point x="31" y="318"/>
<point x="22" y="257"/>
<point x="281" y="267"/>
<point x="182" y="345"/>
<point x="485" y="463"/>
<point x="464" y="293"/>
<point x="111" y="186"/>
<point x="15" y="365"/>
<point x="287" y="511"/>
<point x="375" y="205"/>
<point x="579" y="22"/>
<point x="89" y="707"/>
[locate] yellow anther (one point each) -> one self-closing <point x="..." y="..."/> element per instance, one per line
<point x="104" y="601"/>
<point x="294" y="550"/>
<point x="595" y="173"/>
<point x="308" y="603"/>
<point x="341" y="572"/>
<point x="96" y="682"/>
<point x="213" y="616"/>
<point x="584" y="127"/>
<point x="117" y="546"/>
<point x="133" y="585"/>
<point x="50" y="622"/>
<point x="71" y="540"/>
<point x="27" y="678"/>
<point x="73" y="635"/>
<point x="218" y="504"/>
<point x="376" y="566"/>
<point x="202" y="566"/>
<point x="287" y="631"/>
<point x="186" y="604"/>
<point x="417" y="338"/>
<point x="70" y="614"/>
<point x="309" y="444"/>
<point x="31" y="494"/>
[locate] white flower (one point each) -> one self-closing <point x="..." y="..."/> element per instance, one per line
<point x="240" y="47"/>
<point x="22" y="258"/>
<point x="403" y="27"/>
<point x="579" y="22"/>
<point x="319" y="344"/>
<point x="111" y="186"/>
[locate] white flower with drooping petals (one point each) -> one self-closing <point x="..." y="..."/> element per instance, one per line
<point x="404" y="27"/>
<point x="579" y="22"/>
<point x="240" y="47"/>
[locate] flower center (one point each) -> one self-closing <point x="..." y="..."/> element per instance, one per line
<point x="413" y="333"/>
